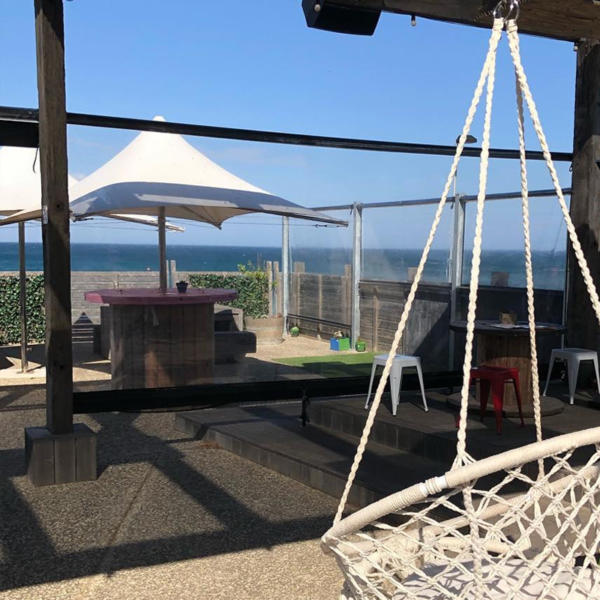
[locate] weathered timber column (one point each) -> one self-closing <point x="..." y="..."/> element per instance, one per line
<point x="49" y="32"/>
<point x="59" y="452"/>
<point x="23" y="297"/>
<point x="583" y="328"/>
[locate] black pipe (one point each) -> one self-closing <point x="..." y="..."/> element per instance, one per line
<point x="318" y="320"/>
<point x="219" y="395"/>
<point x="11" y="114"/>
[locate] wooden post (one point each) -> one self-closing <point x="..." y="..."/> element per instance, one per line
<point x="162" y="248"/>
<point x="320" y="304"/>
<point x="173" y="272"/>
<point x="23" y="297"/>
<point x="60" y="452"/>
<point x="375" y="345"/>
<point x="299" y="267"/>
<point x="583" y="328"/>
<point x="269" y="270"/>
<point x="277" y="289"/>
<point x="49" y="31"/>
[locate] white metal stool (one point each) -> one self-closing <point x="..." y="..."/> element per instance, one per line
<point x="573" y="356"/>
<point x="400" y="362"/>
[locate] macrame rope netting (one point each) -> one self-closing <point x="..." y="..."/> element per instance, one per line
<point x="516" y="535"/>
<point x="493" y="45"/>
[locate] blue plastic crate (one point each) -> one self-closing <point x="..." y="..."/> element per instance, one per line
<point x="339" y="343"/>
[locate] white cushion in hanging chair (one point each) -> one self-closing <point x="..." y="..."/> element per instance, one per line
<point x="501" y="581"/>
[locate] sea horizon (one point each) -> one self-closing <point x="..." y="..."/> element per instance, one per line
<point x="378" y="263"/>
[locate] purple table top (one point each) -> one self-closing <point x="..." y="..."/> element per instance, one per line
<point x="154" y="296"/>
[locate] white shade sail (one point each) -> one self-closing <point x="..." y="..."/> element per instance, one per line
<point x="21" y="192"/>
<point x="163" y="170"/>
<point x="20" y="186"/>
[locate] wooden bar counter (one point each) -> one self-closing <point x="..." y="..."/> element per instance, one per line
<point x="161" y="338"/>
<point x="508" y="346"/>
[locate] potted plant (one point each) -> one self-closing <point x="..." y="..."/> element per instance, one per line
<point x="294" y="331"/>
<point x="508" y="317"/>
<point x="182" y="286"/>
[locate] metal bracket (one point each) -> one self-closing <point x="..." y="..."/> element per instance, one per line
<point x="305" y="404"/>
<point x="508" y="10"/>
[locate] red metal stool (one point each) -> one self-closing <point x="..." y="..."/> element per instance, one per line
<point x="494" y="378"/>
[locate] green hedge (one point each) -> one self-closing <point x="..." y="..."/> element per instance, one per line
<point x="252" y="288"/>
<point x="10" y="317"/>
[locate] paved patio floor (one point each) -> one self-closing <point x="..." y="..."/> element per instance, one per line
<point x="89" y="368"/>
<point x="168" y="518"/>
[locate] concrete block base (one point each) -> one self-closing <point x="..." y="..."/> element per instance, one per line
<point x="60" y="458"/>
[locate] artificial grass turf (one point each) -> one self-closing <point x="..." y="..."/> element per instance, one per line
<point x="332" y="365"/>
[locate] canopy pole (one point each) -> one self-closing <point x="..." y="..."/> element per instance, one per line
<point x="285" y="271"/>
<point x="356" y="272"/>
<point x="23" y="297"/>
<point x="162" y="248"/>
<point x="456" y="269"/>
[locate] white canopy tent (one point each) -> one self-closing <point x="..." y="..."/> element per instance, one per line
<point x="20" y="188"/>
<point x="162" y="174"/>
<point x="20" y="192"/>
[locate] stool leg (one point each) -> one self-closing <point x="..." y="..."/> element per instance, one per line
<point x="573" y="371"/>
<point x="498" y="398"/>
<point x="395" y="383"/>
<point x="517" y="385"/>
<point x="420" y="374"/>
<point x="373" y="368"/>
<point x="552" y="361"/>
<point x="595" y="359"/>
<point x="484" y="393"/>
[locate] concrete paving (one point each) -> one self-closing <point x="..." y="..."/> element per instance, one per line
<point x="169" y="517"/>
<point x="93" y="372"/>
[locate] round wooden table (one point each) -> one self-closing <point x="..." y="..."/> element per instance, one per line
<point x="161" y="338"/>
<point x="501" y="345"/>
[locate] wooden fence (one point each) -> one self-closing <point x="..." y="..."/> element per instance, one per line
<point x="320" y="304"/>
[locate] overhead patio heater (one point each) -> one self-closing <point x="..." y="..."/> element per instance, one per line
<point x="342" y="16"/>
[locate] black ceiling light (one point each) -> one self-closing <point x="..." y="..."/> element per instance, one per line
<point x="342" y="16"/>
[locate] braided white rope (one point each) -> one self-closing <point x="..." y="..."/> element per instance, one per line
<point x="462" y="457"/>
<point x="493" y="46"/>
<point x="513" y="41"/>
<point x="535" y="377"/>
<point x="461" y="453"/>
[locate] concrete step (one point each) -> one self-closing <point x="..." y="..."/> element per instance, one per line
<point x="430" y="435"/>
<point x="275" y="438"/>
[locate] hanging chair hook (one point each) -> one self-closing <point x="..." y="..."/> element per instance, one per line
<point x="508" y="10"/>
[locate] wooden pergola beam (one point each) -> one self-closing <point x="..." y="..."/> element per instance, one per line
<point x="18" y="133"/>
<point x="570" y="20"/>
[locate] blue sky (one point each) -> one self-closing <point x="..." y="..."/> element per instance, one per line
<point x="257" y="65"/>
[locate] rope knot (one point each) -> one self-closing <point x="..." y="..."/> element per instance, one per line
<point x="511" y="26"/>
<point x="498" y="24"/>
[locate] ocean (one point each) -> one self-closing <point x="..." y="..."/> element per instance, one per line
<point x="385" y="264"/>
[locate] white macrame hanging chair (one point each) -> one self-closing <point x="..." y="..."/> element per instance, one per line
<point x="524" y="524"/>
